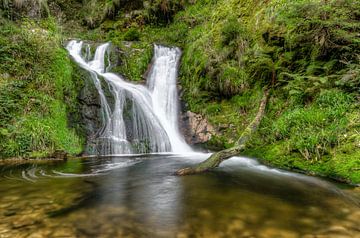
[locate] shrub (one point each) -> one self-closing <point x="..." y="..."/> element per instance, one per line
<point x="132" y="35"/>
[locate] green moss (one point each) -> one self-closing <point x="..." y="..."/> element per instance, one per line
<point x="39" y="92"/>
<point x="132" y="35"/>
<point x="134" y="59"/>
<point x="338" y="165"/>
<point x="234" y="48"/>
<point x="307" y="51"/>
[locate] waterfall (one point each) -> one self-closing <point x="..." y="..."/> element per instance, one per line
<point x="141" y="119"/>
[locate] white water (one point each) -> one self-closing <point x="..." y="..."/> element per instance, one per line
<point x="142" y="119"/>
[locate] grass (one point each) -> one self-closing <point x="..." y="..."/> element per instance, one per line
<point x="307" y="51"/>
<point x="38" y="92"/>
<point x="134" y="58"/>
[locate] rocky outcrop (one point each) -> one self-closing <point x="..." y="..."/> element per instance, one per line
<point x="90" y="105"/>
<point x="196" y="128"/>
<point x="33" y="9"/>
<point x="90" y="108"/>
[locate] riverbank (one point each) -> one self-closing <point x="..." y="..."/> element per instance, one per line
<point x="307" y="51"/>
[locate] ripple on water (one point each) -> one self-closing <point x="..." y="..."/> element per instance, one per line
<point x="138" y="197"/>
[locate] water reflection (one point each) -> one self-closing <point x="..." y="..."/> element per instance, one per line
<point x="139" y="197"/>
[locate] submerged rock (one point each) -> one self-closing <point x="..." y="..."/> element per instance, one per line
<point x="59" y="155"/>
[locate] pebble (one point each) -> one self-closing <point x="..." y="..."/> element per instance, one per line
<point x="63" y="232"/>
<point x="23" y="223"/>
<point x="9" y="213"/>
<point x="272" y="232"/>
<point x="236" y="225"/>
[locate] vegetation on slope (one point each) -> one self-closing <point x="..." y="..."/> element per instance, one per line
<point x="37" y="91"/>
<point x="308" y="51"/>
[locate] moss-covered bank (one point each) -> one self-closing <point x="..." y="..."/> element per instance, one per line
<point x="37" y="91"/>
<point x="307" y="51"/>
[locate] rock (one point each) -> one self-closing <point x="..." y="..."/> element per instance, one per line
<point x="9" y="213"/>
<point x="59" y="154"/>
<point x="63" y="232"/>
<point x="40" y="234"/>
<point x="354" y="216"/>
<point x="276" y="233"/>
<point x="23" y="223"/>
<point x="195" y="128"/>
<point x="335" y="231"/>
<point x="236" y="225"/>
<point x="181" y="235"/>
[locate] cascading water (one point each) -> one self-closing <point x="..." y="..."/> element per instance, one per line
<point x="142" y="119"/>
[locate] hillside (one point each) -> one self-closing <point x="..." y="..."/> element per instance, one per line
<point x="307" y="52"/>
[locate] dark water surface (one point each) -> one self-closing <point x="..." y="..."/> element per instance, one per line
<point x="138" y="196"/>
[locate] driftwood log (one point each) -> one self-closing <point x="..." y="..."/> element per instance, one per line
<point x="215" y="159"/>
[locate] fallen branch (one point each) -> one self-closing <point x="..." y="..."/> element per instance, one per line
<point x="215" y="159"/>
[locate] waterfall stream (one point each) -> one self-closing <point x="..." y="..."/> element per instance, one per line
<point x="141" y="119"/>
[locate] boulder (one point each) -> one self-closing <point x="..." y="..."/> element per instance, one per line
<point x="196" y="128"/>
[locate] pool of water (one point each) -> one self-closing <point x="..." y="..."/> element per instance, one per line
<point x="138" y="196"/>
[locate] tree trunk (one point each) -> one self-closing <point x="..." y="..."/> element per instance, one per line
<point x="215" y="159"/>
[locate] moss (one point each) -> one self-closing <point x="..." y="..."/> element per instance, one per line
<point x="134" y="59"/>
<point x="306" y="50"/>
<point x="232" y="49"/>
<point x="132" y="35"/>
<point x="337" y="165"/>
<point x="42" y="92"/>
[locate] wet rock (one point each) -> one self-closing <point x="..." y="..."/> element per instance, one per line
<point x="59" y="155"/>
<point x="307" y="221"/>
<point x="89" y="109"/>
<point x="247" y="234"/>
<point x="195" y="128"/>
<point x="236" y="225"/>
<point x="205" y="213"/>
<point x="63" y="232"/>
<point x="334" y="236"/>
<point x="40" y="234"/>
<point x="3" y="230"/>
<point x="354" y="217"/>
<point x="9" y="213"/>
<point x="336" y="231"/>
<point x="17" y="224"/>
<point x="181" y="235"/>
<point x="270" y="232"/>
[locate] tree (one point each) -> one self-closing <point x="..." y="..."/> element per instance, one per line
<point x="217" y="158"/>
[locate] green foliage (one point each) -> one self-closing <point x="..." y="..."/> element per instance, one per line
<point x="163" y="11"/>
<point x="36" y="89"/>
<point x="307" y="51"/>
<point x="134" y="60"/>
<point x="230" y="31"/>
<point x="132" y="35"/>
<point x="315" y="129"/>
<point x="20" y="8"/>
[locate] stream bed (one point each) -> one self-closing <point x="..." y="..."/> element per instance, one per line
<point x="138" y="196"/>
